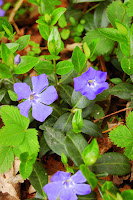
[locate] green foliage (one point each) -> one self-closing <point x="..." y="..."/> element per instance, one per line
<point x="23" y="41"/>
<point x="5" y="71"/>
<point x="7" y="25"/>
<point x="6" y="158"/>
<point x="7" y="55"/>
<point x="77" y="121"/>
<point x="56" y="14"/>
<point x="44" y="67"/>
<point x="63" y="67"/>
<point x="122" y="136"/>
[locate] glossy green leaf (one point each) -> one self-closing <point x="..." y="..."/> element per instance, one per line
<point x="66" y="93"/>
<point x="44" y="31"/>
<point x="5" y="71"/>
<point x="78" y="59"/>
<point x="77" y="121"/>
<point x="65" y="34"/>
<point x="12" y="46"/>
<point x="63" y="67"/>
<point x="113" y="163"/>
<point x="12" y="95"/>
<point x="4" y="22"/>
<point x="27" y="63"/>
<point x="97" y="112"/>
<point x="56" y="14"/>
<point x="127" y="194"/>
<point x="7" y="55"/>
<point x="75" y="144"/>
<point x="6" y="159"/>
<point x="44" y="67"/>
<point x="23" y="41"/>
<point x="44" y="148"/>
<point x="55" y="140"/>
<point x="127" y="65"/>
<point x="39" y="178"/>
<point x="25" y="169"/>
<point x="91" y="129"/>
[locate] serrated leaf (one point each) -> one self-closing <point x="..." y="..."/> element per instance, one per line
<point x="27" y="63"/>
<point x="79" y="101"/>
<point x="129" y="121"/>
<point x="78" y="59"/>
<point x="44" y="67"/>
<point x="91" y="129"/>
<point x="63" y="67"/>
<point x="75" y="144"/>
<point x="23" y="41"/>
<point x="56" y="14"/>
<point x="30" y="143"/>
<point x="64" y="123"/>
<point x="113" y="163"/>
<point x="66" y="93"/>
<point x="6" y="159"/>
<point x="11" y="115"/>
<point x="104" y="44"/>
<point x="39" y="178"/>
<point x="55" y="140"/>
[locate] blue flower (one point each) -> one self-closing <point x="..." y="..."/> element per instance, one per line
<point x="17" y="59"/>
<point x="66" y="187"/>
<point x="37" y="98"/>
<point x="2" y="12"/>
<point x="91" y="83"/>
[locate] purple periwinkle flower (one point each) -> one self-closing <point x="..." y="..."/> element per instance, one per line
<point x="37" y="98"/>
<point x="17" y="59"/>
<point x="66" y="187"/>
<point x="91" y="83"/>
<point x="2" y="12"/>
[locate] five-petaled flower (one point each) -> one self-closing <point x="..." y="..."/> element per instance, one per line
<point x="65" y="187"/>
<point x="2" y="12"/>
<point x="37" y="98"/>
<point x="91" y="83"/>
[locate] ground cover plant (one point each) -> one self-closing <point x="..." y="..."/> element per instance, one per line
<point x="66" y="99"/>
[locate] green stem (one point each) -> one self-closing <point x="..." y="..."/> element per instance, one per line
<point x="83" y="67"/>
<point x="93" y="7"/>
<point x="56" y="80"/>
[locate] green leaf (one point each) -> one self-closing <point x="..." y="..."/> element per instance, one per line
<point x="79" y="101"/>
<point x="67" y="78"/>
<point x="91" y="153"/>
<point x="125" y="48"/>
<point x="2" y="93"/>
<point x="122" y="90"/>
<point x="63" y="67"/>
<point x="113" y="163"/>
<point x="78" y="59"/>
<point x="91" y="196"/>
<point x="127" y="194"/>
<point x="104" y="44"/>
<point x="11" y="115"/>
<point x="56" y="14"/>
<point x="44" y="67"/>
<point x="25" y="169"/>
<point x="97" y="112"/>
<point x="54" y="41"/>
<point x="66" y="93"/>
<point x="64" y="123"/>
<point x="91" y="129"/>
<point x="113" y="34"/>
<point x="55" y="140"/>
<point x="23" y="41"/>
<point x="44" y="148"/>
<point x="77" y="121"/>
<point x="116" y="10"/>
<point x="44" y="31"/>
<point x="34" y="2"/>
<point x="7" y="55"/>
<point x="4" y="22"/>
<point x="6" y="159"/>
<point x="12" y="95"/>
<point x="27" y="63"/>
<point x="127" y="65"/>
<point x="65" y="34"/>
<point x="2" y="34"/>
<point x="75" y="144"/>
<point x="62" y="21"/>
<point x="29" y="144"/>
<point x="12" y="46"/>
<point x="5" y="71"/>
<point x="82" y="1"/>
<point x="39" y="178"/>
<point x="121" y="27"/>
<point x="90" y="176"/>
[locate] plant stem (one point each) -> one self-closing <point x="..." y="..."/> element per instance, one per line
<point x="15" y="9"/>
<point x="93" y="7"/>
<point x="56" y="80"/>
<point x="13" y="79"/>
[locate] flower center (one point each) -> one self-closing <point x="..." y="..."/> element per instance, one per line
<point x="31" y="97"/>
<point x="90" y="81"/>
<point x="68" y="183"/>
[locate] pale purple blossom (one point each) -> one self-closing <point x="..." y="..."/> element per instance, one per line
<point x="17" y="59"/>
<point x="2" y="12"/>
<point x="37" y="98"/>
<point x="66" y="187"/>
<point x="91" y="83"/>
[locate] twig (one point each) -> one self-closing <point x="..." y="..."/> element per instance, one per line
<point x="111" y="114"/>
<point x="17" y="6"/>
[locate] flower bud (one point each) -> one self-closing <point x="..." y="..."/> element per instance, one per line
<point x="17" y="59"/>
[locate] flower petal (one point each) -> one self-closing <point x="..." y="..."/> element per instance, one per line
<point x="68" y="194"/>
<point x="48" y="96"/>
<point x="88" y="92"/>
<point x="2" y="12"/>
<point x="78" y="177"/>
<point x="79" y="83"/>
<point x="23" y="90"/>
<point x="100" y="76"/>
<point x="40" y="111"/>
<point x="89" y="74"/>
<point x="1" y="2"/>
<point x="39" y="83"/>
<point x="24" y="108"/>
<point x="100" y="87"/>
<point x="82" y="189"/>
<point x="60" y="176"/>
<point x="53" y="190"/>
